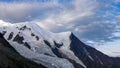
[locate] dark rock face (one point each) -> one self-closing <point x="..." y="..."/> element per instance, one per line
<point x="47" y="43"/>
<point x="57" y="44"/>
<point x="10" y="58"/>
<point x="27" y="45"/>
<point x="1" y="35"/>
<point x="23" y="28"/>
<point x="37" y="38"/>
<point x="4" y="32"/>
<point x="10" y="36"/>
<point x="32" y="34"/>
<point x="91" y="57"/>
<point x="18" y="39"/>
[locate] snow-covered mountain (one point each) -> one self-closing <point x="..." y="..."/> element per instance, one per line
<point x="39" y="45"/>
<point x="54" y="50"/>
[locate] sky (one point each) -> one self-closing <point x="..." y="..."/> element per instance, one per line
<point x="96" y="22"/>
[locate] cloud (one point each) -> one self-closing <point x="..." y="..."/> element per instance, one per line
<point x="20" y="12"/>
<point x="67" y="17"/>
<point x="110" y="48"/>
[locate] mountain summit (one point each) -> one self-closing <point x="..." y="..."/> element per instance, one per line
<point x="53" y="50"/>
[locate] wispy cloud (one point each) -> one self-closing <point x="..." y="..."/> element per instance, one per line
<point x="20" y="12"/>
<point x="68" y="16"/>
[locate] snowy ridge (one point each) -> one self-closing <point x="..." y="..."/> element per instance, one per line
<point x="31" y="44"/>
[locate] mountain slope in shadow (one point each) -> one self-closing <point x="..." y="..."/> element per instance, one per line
<point x="10" y="58"/>
<point x="91" y="57"/>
